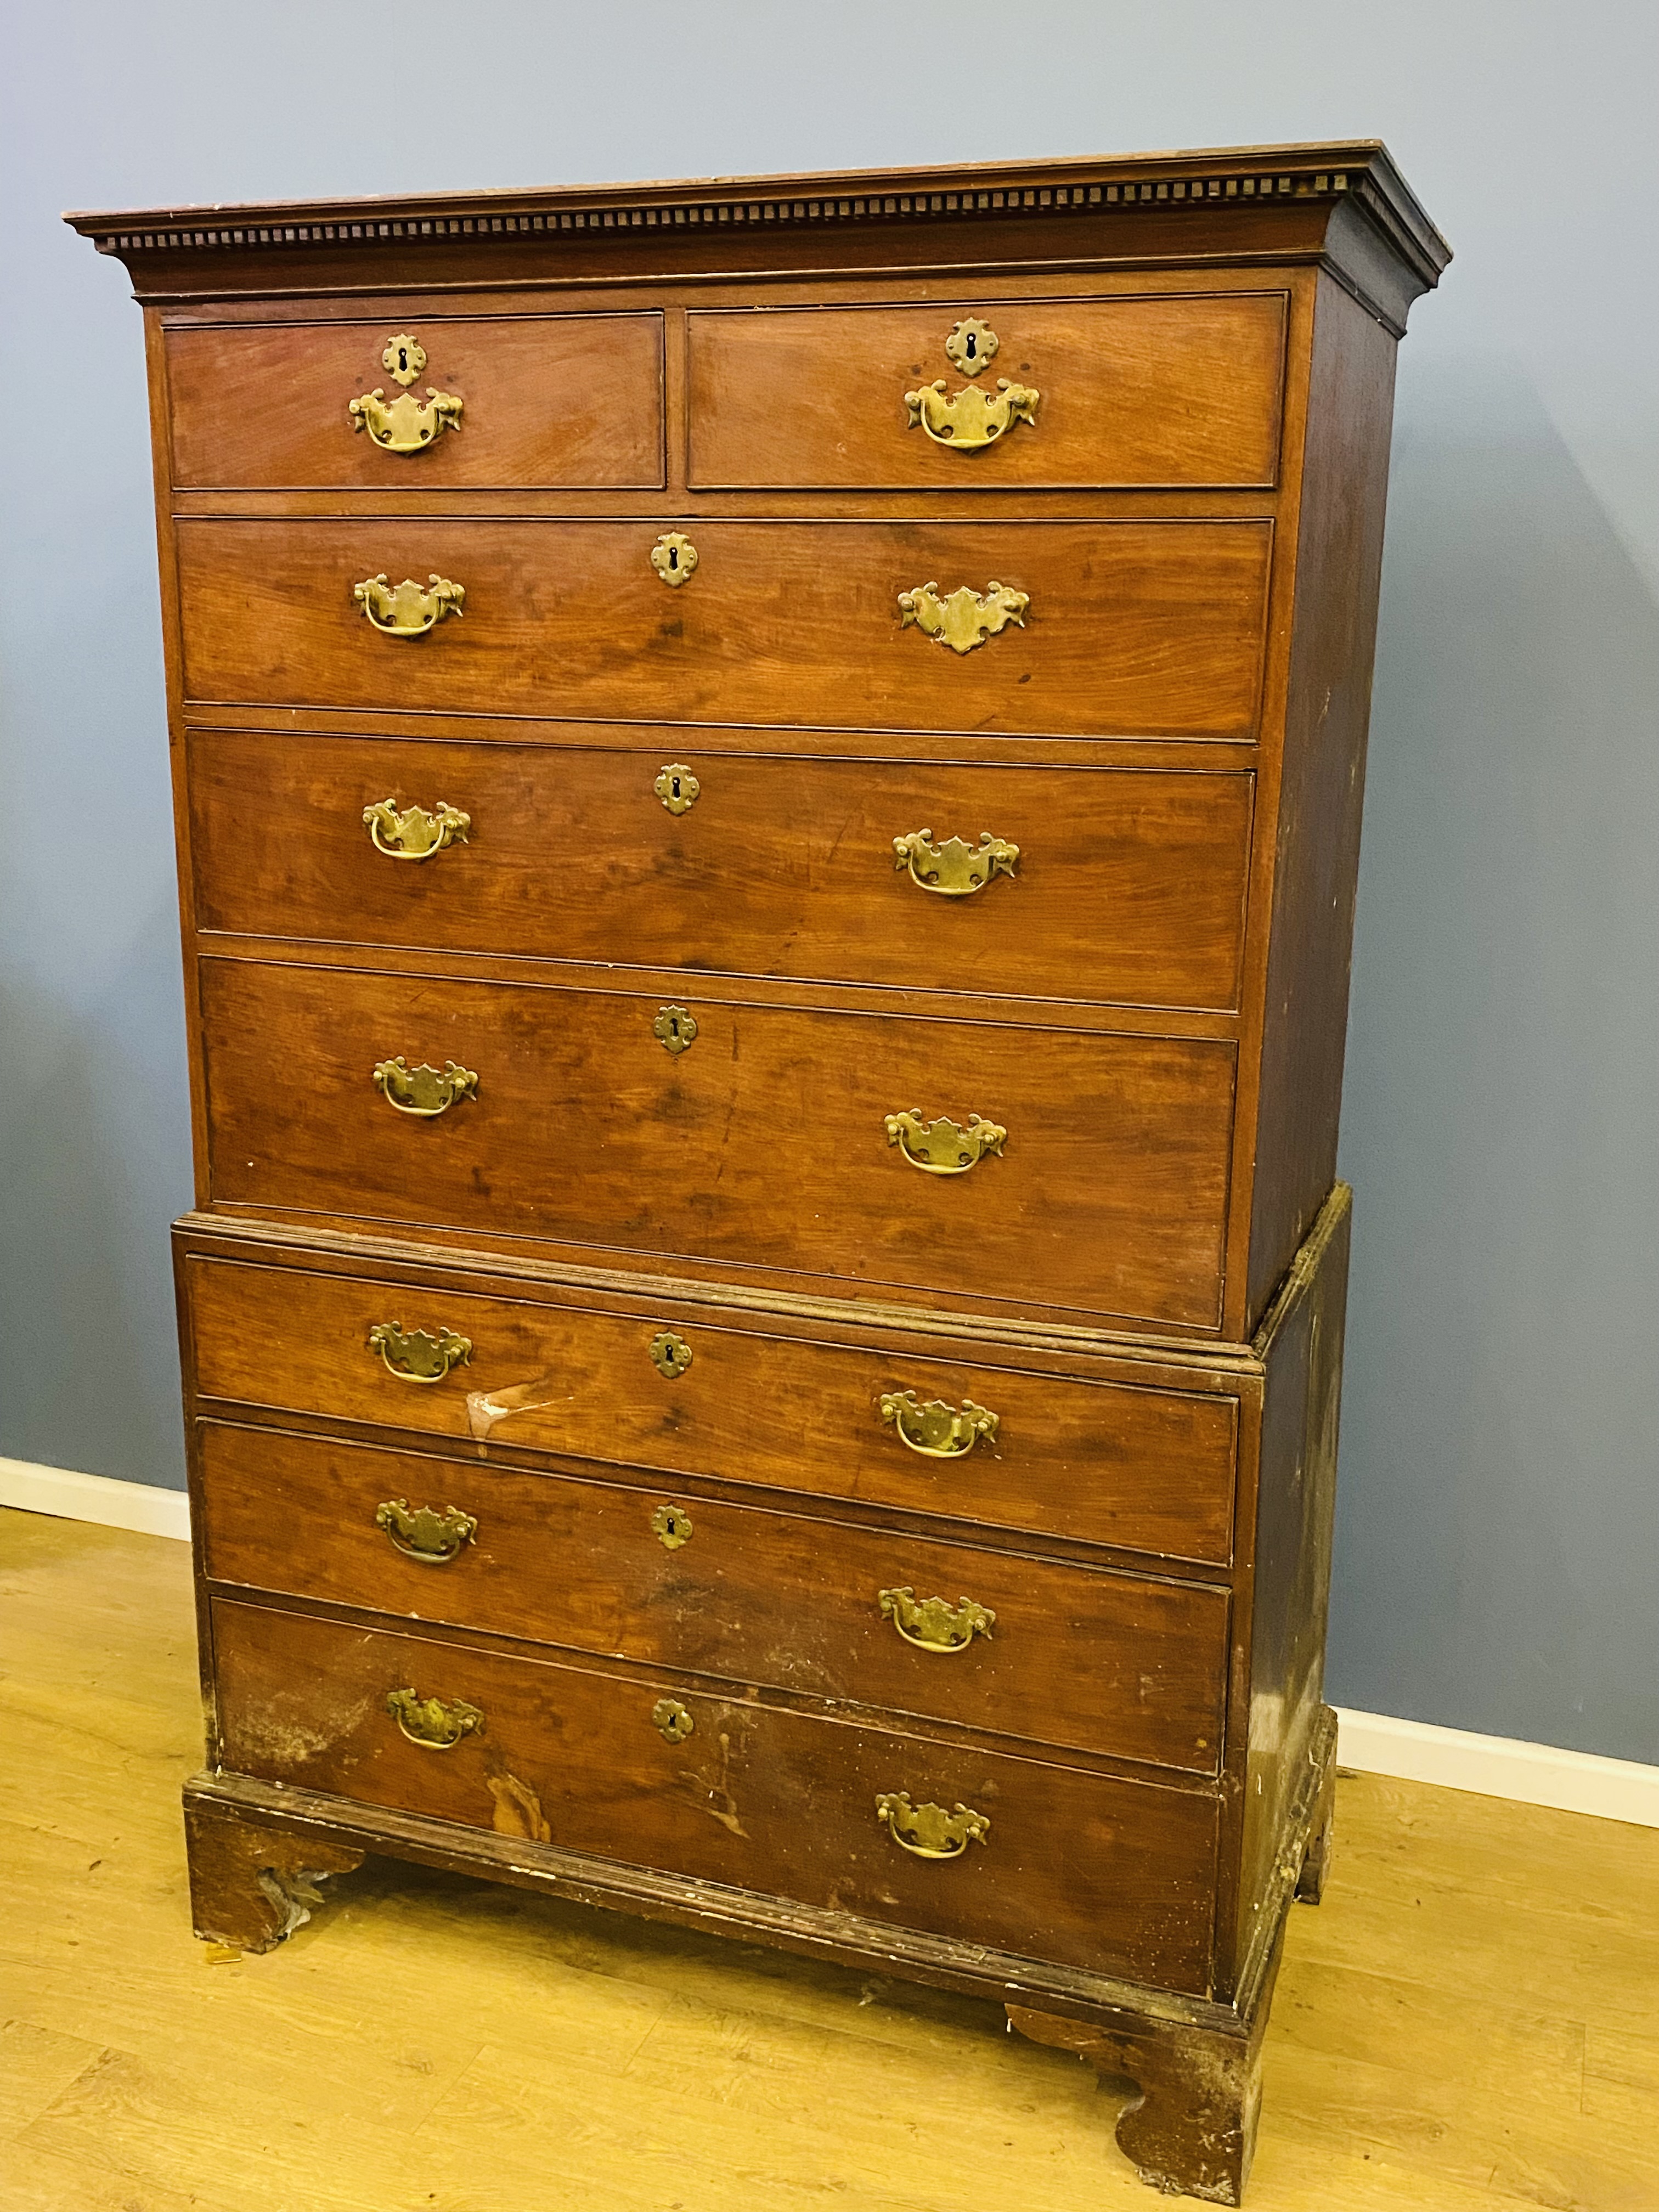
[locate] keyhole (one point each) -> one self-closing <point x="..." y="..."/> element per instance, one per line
<point x="971" y="343"/>
<point x="403" y="355"/>
<point x="674" y="556"/>
<point x="675" y="786"/>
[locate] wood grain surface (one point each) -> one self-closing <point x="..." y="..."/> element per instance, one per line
<point x="1077" y="1868"/>
<point x="1145" y="392"/>
<point x="1141" y="1469"/>
<point x="548" y="400"/>
<point x="1075" y="1657"/>
<point x="1133" y="627"/>
<point x="1130" y="889"/>
<point x="765" y="1143"/>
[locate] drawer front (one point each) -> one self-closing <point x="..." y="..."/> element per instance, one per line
<point x="1061" y="1654"/>
<point x="1131" y="627"/>
<point x="1125" y="886"/>
<point x="1083" y="1869"/>
<point x="1131" y="392"/>
<point x="763" y="1143"/>
<point x="1146" y="1470"/>
<point x="552" y="400"/>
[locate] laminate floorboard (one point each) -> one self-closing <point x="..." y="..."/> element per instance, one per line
<point x="1471" y="2019"/>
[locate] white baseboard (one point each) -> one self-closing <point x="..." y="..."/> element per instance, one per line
<point x="1412" y="1751"/>
<point x="71" y="1497"/>
<point x="1500" y="1767"/>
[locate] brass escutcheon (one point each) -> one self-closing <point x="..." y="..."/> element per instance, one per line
<point x="963" y="618"/>
<point x="928" y="1832"/>
<point x="677" y="788"/>
<point x="671" y="1527"/>
<point x="936" y="1429"/>
<point x="671" y="1355"/>
<point x="932" y="1624"/>
<point x="423" y="1092"/>
<point x="422" y="1533"/>
<point x="429" y="1722"/>
<point x="414" y="835"/>
<point x="408" y="608"/>
<point x="671" y="1720"/>
<point x="675" y="1029"/>
<point x="406" y="357"/>
<point x="971" y="347"/>
<point x="954" y="869"/>
<point x="943" y="1147"/>
<point x="674" y="556"/>
<point x="416" y="1356"/>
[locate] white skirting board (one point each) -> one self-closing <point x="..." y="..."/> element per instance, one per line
<point x="58" y="1490"/>
<point x="1412" y="1751"/>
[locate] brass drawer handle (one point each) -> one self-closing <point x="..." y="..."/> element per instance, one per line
<point x="430" y="1722"/>
<point x="408" y="610"/>
<point x="928" y="1832"/>
<point x="425" y="1091"/>
<point x="952" y="869"/>
<point x="936" y="1429"/>
<point x="942" y="1147"/>
<point x="963" y="618"/>
<point x="420" y="1533"/>
<point x="418" y="1357"/>
<point x="970" y="420"/>
<point x="402" y="425"/>
<point x="931" y="1624"/>
<point x="414" y="835"/>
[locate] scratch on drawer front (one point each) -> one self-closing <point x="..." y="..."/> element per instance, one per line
<point x="485" y="1407"/>
<point x="518" y="1809"/>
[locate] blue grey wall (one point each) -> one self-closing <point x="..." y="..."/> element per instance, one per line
<point x="1499" y="1520"/>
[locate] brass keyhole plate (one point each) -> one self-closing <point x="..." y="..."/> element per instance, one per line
<point x="670" y="1720"/>
<point x="671" y="1355"/>
<point x="671" y="1527"/>
<point x="675" y="1029"/>
<point x="677" y="788"/>
<point x="674" y="558"/>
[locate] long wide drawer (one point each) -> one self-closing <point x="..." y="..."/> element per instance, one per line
<point x="554" y="400"/>
<point x="1123" y="886"/>
<point x="1143" y="1470"/>
<point x="760" y="1137"/>
<point x="1080" y="1868"/>
<point x="1062" y="1655"/>
<point x="1130" y="627"/>
<point x="1133" y="391"/>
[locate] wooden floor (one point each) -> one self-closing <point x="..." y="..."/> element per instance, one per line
<point x="1471" y="2018"/>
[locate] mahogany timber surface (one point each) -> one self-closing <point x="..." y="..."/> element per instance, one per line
<point x="1134" y="627"/>
<point x="1130" y="886"/>
<point x="1139" y="1468"/>
<point x="1081" y="1869"/>
<point x="1134" y="391"/>
<point x="1076" y="1657"/>
<point x="548" y="400"/>
<point x="763" y="1143"/>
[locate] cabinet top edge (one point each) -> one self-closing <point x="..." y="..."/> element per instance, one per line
<point x="1207" y="186"/>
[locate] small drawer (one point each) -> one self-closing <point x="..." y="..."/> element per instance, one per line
<point x="1089" y="629"/>
<point x="1077" y="1171"/>
<point x="1100" y="1460"/>
<point x="1178" y="392"/>
<point x="1116" y="885"/>
<point x="555" y="401"/>
<point x="1067" y="1656"/>
<point x="1079" y="1869"/>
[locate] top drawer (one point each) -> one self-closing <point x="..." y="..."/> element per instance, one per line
<point x="557" y="401"/>
<point x="1142" y="392"/>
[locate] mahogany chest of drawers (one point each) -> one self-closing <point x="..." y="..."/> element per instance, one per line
<point x="769" y="785"/>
